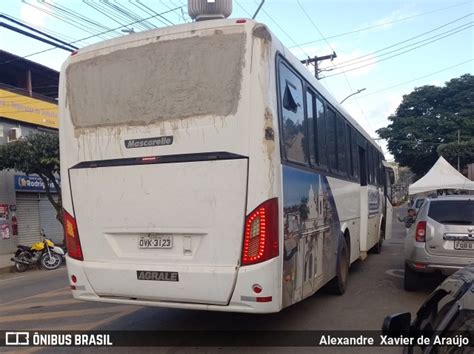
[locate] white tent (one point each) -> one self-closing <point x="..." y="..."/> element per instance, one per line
<point x="441" y="176"/>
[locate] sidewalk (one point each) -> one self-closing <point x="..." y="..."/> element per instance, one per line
<point x="6" y="266"/>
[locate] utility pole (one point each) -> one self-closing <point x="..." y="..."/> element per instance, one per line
<point x="315" y="60"/>
<point x="459" y="157"/>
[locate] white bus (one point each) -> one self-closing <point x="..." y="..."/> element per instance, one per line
<point x="204" y="167"/>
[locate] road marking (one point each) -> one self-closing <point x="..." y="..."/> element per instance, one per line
<point x="399" y="273"/>
<point x="40" y="295"/>
<point x="60" y="314"/>
<point x="29" y="305"/>
<point x="13" y="278"/>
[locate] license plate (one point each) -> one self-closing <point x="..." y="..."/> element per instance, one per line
<point x="155" y="241"/>
<point x="464" y="245"/>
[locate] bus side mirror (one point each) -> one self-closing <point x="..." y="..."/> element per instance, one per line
<point x="397" y="325"/>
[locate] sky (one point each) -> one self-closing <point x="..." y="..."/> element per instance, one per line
<point x="386" y="47"/>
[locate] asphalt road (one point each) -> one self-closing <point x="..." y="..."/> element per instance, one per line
<point x="41" y="300"/>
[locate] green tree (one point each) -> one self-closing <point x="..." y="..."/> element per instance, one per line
<point x="36" y="154"/>
<point x="426" y="124"/>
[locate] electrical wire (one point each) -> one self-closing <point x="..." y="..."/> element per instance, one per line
<point x="144" y="9"/>
<point x="380" y="25"/>
<point x="355" y="61"/>
<point x="75" y="14"/>
<point x="128" y="14"/>
<point x="415" y="79"/>
<point x="329" y="45"/>
<point x="44" y="29"/>
<point x="403" y="52"/>
<point x="156" y="13"/>
<point x="86" y="38"/>
<point x="60" y="17"/>
<point x="97" y="7"/>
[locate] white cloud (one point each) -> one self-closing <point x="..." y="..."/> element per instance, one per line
<point x="386" y="22"/>
<point x="32" y="15"/>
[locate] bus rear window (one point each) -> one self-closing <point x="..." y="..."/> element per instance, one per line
<point x="165" y="80"/>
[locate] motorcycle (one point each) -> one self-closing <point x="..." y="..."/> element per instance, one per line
<point x="44" y="254"/>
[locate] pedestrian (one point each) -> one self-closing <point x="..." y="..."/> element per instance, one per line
<point x="409" y="219"/>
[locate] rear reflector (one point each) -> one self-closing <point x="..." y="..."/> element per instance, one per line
<point x="73" y="243"/>
<point x="420" y="234"/>
<point x="264" y="299"/>
<point x="261" y="233"/>
<point x="257" y="288"/>
<point x="420" y="266"/>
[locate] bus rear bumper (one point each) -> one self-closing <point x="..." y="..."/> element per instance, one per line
<point x="242" y="300"/>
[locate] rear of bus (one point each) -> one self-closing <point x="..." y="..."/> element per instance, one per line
<point x="170" y="189"/>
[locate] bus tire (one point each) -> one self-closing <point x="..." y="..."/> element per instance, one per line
<point x="338" y="285"/>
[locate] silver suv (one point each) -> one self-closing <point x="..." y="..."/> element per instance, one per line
<point x="441" y="239"/>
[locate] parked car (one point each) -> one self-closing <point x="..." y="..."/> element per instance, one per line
<point x="447" y="313"/>
<point x="418" y="202"/>
<point x="442" y="238"/>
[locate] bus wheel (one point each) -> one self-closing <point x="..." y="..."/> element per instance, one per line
<point x="338" y="285"/>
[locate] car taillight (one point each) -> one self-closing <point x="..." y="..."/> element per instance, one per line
<point x="420" y="234"/>
<point x="73" y="243"/>
<point x="261" y="233"/>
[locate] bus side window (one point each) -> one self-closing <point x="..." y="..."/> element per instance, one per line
<point x="376" y="166"/>
<point x="312" y="137"/>
<point x="371" y="164"/>
<point x="341" y="145"/>
<point x="350" y="162"/>
<point x="381" y="170"/>
<point x="355" y="154"/>
<point x="293" y="121"/>
<point x="331" y="139"/>
<point x="321" y="131"/>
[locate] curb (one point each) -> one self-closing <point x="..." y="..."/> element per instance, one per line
<point x="8" y="269"/>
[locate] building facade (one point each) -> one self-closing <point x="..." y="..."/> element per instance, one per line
<point x="28" y="96"/>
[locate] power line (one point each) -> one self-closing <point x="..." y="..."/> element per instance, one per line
<point x="356" y="61"/>
<point x="380" y="25"/>
<point x="75" y="14"/>
<point x="416" y="79"/>
<point x="44" y="29"/>
<point x="150" y="11"/>
<point x="89" y="37"/>
<point x="276" y="24"/>
<point x="73" y="22"/>
<point x="34" y="36"/>
<point x="345" y="76"/>
<point x="96" y="6"/>
<point x="398" y="54"/>
<point x="19" y="23"/>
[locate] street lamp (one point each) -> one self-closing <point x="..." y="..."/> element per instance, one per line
<point x="353" y="93"/>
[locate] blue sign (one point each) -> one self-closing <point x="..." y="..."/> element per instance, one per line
<point x="31" y="183"/>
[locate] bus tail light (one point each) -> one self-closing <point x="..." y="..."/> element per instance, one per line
<point x="261" y="233"/>
<point x="420" y="234"/>
<point x="73" y="243"/>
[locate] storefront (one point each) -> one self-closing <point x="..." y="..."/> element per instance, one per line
<point x="33" y="211"/>
<point x="25" y="210"/>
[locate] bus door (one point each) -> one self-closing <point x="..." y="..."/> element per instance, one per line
<point x="364" y="200"/>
